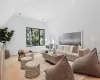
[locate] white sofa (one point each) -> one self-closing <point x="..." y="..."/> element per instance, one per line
<point x="68" y="50"/>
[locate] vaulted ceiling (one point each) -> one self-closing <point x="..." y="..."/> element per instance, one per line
<point x="56" y="13"/>
<point x="6" y="10"/>
<point x="42" y="9"/>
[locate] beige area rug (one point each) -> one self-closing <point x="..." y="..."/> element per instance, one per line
<point x="13" y="72"/>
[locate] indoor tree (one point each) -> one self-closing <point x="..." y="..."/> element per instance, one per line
<point x="5" y="36"/>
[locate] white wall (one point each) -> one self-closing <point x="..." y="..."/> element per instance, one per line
<point x="18" y="41"/>
<point x="6" y="10"/>
<point x="80" y="15"/>
<point x="60" y="17"/>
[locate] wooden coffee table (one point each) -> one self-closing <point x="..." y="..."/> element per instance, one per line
<point x="53" y="58"/>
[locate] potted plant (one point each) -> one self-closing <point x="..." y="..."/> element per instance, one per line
<point x="5" y="36"/>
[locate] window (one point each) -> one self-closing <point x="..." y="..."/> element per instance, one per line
<point x="35" y="37"/>
<point x="42" y="37"/>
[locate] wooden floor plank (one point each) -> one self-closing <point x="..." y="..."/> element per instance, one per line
<point x="13" y="72"/>
<point x="79" y="76"/>
<point x="91" y="78"/>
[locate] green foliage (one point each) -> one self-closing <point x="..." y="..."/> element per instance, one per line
<point x="42" y="37"/>
<point x="35" y="37"/>
<point x="5" y="35"/>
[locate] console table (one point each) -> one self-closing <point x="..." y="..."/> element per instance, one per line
<point x="1" y="64"/>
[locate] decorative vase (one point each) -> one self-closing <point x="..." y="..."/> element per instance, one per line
<point x="54" y="51"/>
<point x="46" y="51"/>
<point x="7" y="54"/>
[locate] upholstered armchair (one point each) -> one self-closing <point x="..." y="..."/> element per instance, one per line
<point x="21" y="54"/>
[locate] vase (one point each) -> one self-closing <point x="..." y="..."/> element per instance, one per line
<point x="7" y="54"/>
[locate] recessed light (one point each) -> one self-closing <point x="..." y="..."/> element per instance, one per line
<point x="73" y="1"/>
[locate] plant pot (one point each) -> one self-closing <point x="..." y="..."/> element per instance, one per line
<point x="7" y="54"/>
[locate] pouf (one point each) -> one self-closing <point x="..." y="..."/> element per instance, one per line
<point x="29" y="54"/>
<point x="32" y="69"/>
<point x="24" y="60"/>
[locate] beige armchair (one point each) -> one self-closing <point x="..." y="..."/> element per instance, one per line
<point x="21" y="54"/>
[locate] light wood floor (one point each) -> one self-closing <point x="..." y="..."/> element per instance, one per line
<point x="12" y="71"/>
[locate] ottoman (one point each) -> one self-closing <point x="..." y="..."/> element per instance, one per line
<point x="32" y="69"/>
<point x="24" y="60"/>
<point x="29" y="54"/>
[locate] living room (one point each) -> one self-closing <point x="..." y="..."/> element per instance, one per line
<point x="55" y="18"/>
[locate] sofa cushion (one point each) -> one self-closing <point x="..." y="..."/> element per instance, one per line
<point x="66" y="48"/>
<point x="75" y="49"/>
<point x="70" y="56"/>
<point x="74" y="54"/>
<point x="87" y="64"/>
<point x="64" y="52"/>
<point x="71" y="48"/>
<point x="60" y="71"/>
<point x="60" y="47"/>
<point x="79" y="47"/>
<point x="59" y="51"/>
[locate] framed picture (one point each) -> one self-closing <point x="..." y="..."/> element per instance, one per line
<point x="28" y="37"/>
<point x="42" y="37"/>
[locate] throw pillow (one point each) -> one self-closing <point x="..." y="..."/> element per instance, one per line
<point x="75" y="49"/>
<point x="79" y="47"/>
<point x="87" y="64"/>
<point x="60" y="71"/>
<point x="71" y="48"/>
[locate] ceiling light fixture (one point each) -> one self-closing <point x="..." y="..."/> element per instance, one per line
<point x="73" y="1"/>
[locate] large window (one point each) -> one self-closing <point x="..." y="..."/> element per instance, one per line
<point x="35" y="37"/>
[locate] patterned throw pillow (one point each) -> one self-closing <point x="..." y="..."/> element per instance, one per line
<point x="75" y="49"/>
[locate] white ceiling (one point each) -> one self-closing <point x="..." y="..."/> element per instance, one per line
<point x="52" y="12"/>
<point x="42" y="9"/>
<point x="58" y="14"/>
<point x="6" y="10"/>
